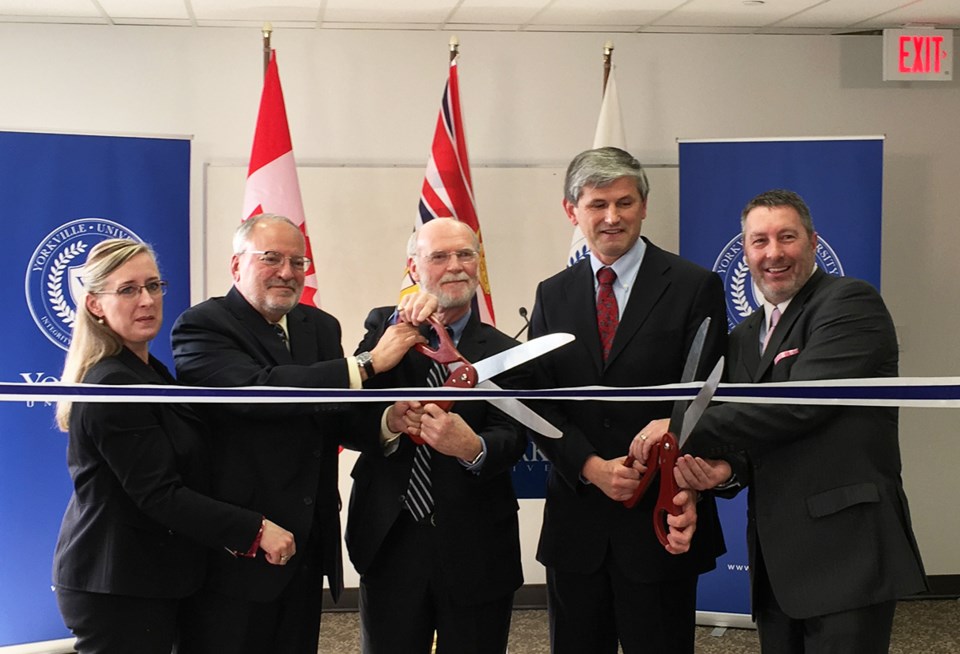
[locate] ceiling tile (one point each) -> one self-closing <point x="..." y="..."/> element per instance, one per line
<point x="62" y="8"/>
<point x="378" y="11"/>
<point x="255" y="10"/>
<point x="496" y="11"/>
<point x="155" y="9"/>
<point x="584" y="13"/>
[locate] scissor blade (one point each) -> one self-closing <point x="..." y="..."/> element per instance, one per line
<point x="498" y="363"/>
<point x="692" y="415"/>
<point x="521" y="413"/>
<point x="689" y="373"/>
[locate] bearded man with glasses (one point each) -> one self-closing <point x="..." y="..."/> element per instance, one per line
<point x="278" y="459"/>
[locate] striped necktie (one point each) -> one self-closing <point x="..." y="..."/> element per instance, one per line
<point x="420" y="488"/>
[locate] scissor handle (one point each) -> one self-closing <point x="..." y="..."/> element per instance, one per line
<point x="668" y="487"/>
<point x="653" y="459"/>
<point x="445" y="352"/>
<point x="463" y="377"/>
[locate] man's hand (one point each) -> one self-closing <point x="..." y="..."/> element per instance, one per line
<point x="448" y="434"/>
<point x="391" y="347"/>
<point x="682" y="527"/>
<point x="404" y="418"/>
<point x="701" y="474"/>
<point x="617" y="481"/>
<point x="277" y="543"/>
<point x="642" y="443"/>
<point x="415" y="308"/>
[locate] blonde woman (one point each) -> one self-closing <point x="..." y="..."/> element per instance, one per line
<point x="131" y="544"/>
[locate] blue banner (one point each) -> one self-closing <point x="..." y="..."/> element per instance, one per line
<point x="63" y="195"/>
<point x="841" y="180"/>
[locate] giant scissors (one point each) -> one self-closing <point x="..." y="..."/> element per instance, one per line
<point x="463" y="374"/>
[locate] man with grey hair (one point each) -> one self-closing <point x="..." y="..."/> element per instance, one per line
<point x="277" y="459"/>
<point x="634" y="309"/>
<point x="446" y="556"/>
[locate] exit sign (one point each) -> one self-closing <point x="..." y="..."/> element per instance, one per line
<point x="923" y="54"/>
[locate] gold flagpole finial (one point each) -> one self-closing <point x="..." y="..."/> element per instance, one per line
<point x="454" y="47"/>
<point x="607" y="59"/>
<point x="266" y="30"/>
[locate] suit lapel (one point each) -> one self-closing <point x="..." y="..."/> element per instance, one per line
<point x="749" y="341"/>
<point x="651" y="283"/>
<point x="580" y="292"/>
<point x="790" y="316"/>
<point x="303" y="338"/>
<point x="263" y="332"/>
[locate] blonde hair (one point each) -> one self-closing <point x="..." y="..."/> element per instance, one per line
<point x="92" y="339"/>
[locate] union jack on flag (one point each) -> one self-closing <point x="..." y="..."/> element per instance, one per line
<point x="447" y="190"/>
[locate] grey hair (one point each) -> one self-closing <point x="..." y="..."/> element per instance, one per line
<point x="92" y="340"/>
<point x="780" y="198"/>
<point x="415" y="238"/>
<point x="602" y="167"/>
<point x="242" y="233"/>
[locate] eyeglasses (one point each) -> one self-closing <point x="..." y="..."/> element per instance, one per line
<point x="465" y="256"/>
<point x="133" y="291"/>
<point x="275" y="259"/>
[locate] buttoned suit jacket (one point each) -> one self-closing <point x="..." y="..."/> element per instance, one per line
<point x="669" y="300"/>
<point x="475" y="514"/>
<point x="277" y="459"/>
<point x="137" y="521"/>
<point x="826" y="502"/>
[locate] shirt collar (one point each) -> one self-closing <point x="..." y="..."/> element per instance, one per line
<point x="626" y="267"/>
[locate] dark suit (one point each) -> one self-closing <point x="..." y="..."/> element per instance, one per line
<point x="277" y="459"/>
<point x="136" y="520"/>
<point x="465" y="563"/>
<point x="826" y="502"/>
<point x="584" y="531"/>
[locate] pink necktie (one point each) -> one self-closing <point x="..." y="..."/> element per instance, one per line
<point x="774" y="319"/>
<point x="608" y="313"/>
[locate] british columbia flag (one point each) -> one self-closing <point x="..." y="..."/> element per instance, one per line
<point x="447" y="190"/>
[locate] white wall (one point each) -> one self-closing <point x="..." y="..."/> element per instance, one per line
<point x="364" y="97"/>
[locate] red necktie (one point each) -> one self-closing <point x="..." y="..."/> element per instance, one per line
<point x="608" y="313"/>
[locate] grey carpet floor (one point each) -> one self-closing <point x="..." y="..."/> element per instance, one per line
<point x="920" y="627"/>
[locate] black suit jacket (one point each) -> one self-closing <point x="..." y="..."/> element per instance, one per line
<point x="826" y="502"/>
<point x="137" y="517"/>
<point x="669" y="300"/>
<point x="477" y="532"/>
<point x="277" y="459"/>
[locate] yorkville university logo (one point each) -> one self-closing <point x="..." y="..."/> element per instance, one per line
<point x="743" y="296"/>
<point x="53" y="281"/>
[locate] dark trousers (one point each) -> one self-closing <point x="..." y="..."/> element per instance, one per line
<point x="863" y="630"/>
<point x="117" y="624"/>
<point x="289" y="624"/>
<point x="593" y="612"/>
<point x="403" y="601"/>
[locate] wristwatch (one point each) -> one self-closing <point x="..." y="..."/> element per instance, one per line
<point x="365" y="361"/>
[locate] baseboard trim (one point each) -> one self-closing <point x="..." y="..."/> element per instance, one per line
<point x="534" y="596"/>
<point x="941" y="587"/>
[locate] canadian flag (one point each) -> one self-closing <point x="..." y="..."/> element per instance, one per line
<point x="272" y="184"/>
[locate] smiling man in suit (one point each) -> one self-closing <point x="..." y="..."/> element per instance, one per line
<point x="831" y="546"/>
<point x="277" y="459"/>
<point x="433" y="529"/>
<point x="608" y="577"/>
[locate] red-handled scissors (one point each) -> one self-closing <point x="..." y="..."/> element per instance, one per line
<point x="663" y="456"/>
<point x="464" y="376"/>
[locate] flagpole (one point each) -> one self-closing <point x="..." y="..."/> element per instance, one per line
<point x="266" y="31"/>
<point x="454" y="47"/>
<point x="607" y="60"/>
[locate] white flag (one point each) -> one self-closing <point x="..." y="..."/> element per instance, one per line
<point x="609" y="132"/>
